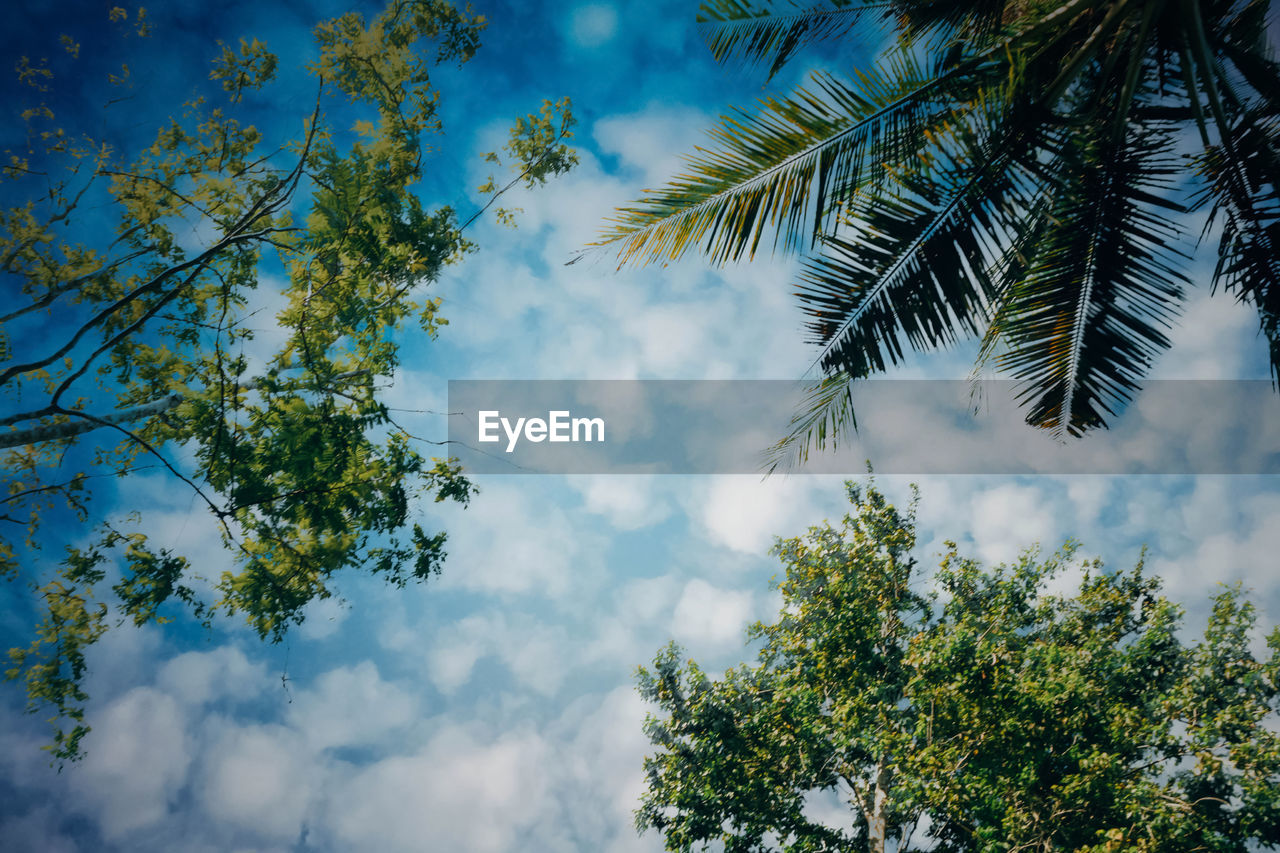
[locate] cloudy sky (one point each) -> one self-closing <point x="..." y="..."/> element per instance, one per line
<point x="494" y="708"/>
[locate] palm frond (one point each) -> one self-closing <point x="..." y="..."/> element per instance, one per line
<point x="1241" y="39"/>
<point x="916" y="264"/>
<point x="1245" y="188"/>
<point x="1243" y="166"/>
<point x="774" y="31"/>
<point x="1007" y="276"/>
<point x="825" y="415"/>
<point x="790" y="168"/>
<point x="1084" y="325"/>
<point x="1024" y="181"/>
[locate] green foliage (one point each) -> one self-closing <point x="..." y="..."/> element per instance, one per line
<point x="536" y="148"/>
<point x="251" y="68"/>
<point x="989" y="715"/>
<point x="1009" y="170"/>
<point x="755" y="33"/>
<point x="146" y="363"/>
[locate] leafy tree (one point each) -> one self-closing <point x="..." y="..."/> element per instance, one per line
<point x="129" y="350"/>
<point x="989" y="715"/>
<point x="1025" y="170"/>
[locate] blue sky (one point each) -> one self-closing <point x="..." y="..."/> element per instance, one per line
<point x="493" y="709"/>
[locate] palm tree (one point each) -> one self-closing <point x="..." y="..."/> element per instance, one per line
<point x="1027" y="171"/>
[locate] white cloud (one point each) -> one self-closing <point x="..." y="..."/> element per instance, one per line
<point x="670" y="337"/>
<point x="123" y="657"/>
<point x="654" y="142"/>
<point x="744" y="513"/>
<point x="593" y="25"/>
<point x="646" y="600"/>
<point x="571" y="784"/>
<point x="350" y="706"/>
<point x="627" y="502"/>
<point x="605" y="756"/>
<point x="1217" y="337"/>
<point x="831" y="808"/>
<point x="1006" y="520"/>
<point x="257" y="778"/>
<point x="454" y="654"/>
<point x="1222" y="532"/>
<point x="1088" y="495"/>
<point x="590" y="320"/>
<point x="195" y="678"/>
<point x="136" y="761"/>
<point x="539" y="657"/>
<point x="634" y="624"/>
<point x="462" y="791"/>
<point x="323" y="618"/>
<point x="513" y="541"/>
<point x="708" y="615"/>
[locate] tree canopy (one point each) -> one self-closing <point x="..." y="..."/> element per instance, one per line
<point x="130" y="346"/>
<point x="1031" y="172"/>
<point x="987" y="715"/>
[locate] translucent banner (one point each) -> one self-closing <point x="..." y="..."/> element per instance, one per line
<point x="903" y="427"/>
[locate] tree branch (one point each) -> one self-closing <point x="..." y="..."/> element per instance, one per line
<point x="89" y="423"/>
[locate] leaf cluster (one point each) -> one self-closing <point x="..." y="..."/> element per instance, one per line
<point x="1029" y="173"/>
<point x="143" y="349"/>
<point x="988" y="715"/>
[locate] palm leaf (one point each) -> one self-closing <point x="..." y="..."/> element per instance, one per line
<point x="1086" y="322"/>
<point x="773" y="32"/>
<point x="1064" y="235"/>
<point x="1244" y="166"/>
<point x="791" y="167"/>
<point x="825" y="415"/>
<point x="1241" y="39"/>
<point x="1246" y="191"/>
<point x="916" y="263"/>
